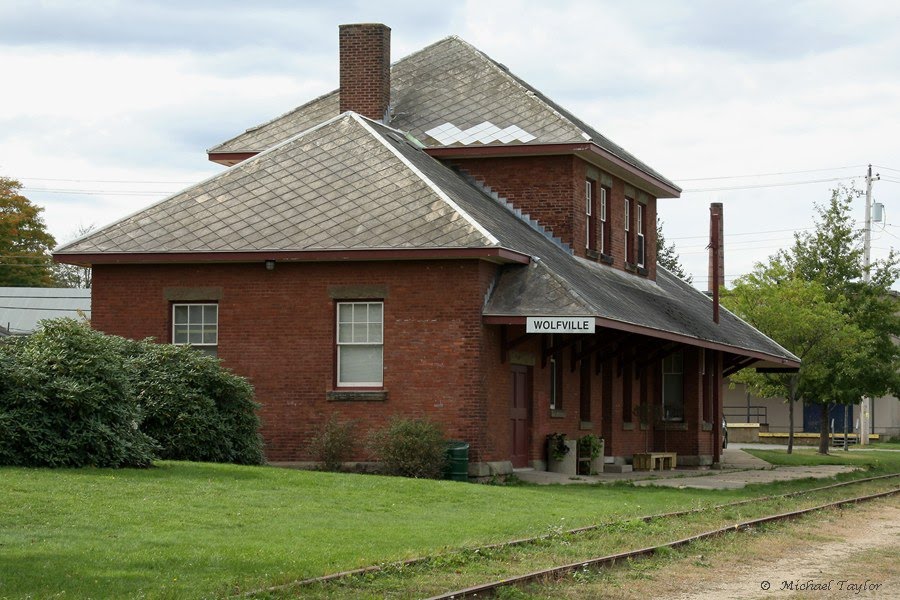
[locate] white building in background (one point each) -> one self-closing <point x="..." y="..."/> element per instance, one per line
<point x="23" y="308"/>
<point x="772" y="414"/>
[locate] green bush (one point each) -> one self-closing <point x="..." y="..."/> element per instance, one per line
<point x="411" y="448"/>
<point x="334" y="444"/>
<point x="67" y="399"/>
<point x="71" y="396"/>
<point x="194" y="408"/>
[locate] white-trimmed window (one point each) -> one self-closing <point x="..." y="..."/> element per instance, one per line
<point x="590" y="237"/>
<point x="360" y="345"/>
<point x="603" y="234"/>
<point x="196" y="324"/>
<point x="673" y="387"/>
<point x="628" y="250"/>
<point x="640" y="235"/>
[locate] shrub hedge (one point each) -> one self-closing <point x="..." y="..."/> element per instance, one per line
<point x="411" y="448"/>
<point x="71" y="396"/>
<point x="67" y="399"/>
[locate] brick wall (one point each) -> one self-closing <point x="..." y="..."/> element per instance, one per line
<point x="440" y="361"/>
<point x="551" y="190"/>
<point x="365" y="69"/>
<point x="277" y="329"/>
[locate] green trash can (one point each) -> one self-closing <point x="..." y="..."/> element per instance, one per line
<point x="457" y="461"/>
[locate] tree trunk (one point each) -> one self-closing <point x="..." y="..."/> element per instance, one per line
<point x="823" y="436"/>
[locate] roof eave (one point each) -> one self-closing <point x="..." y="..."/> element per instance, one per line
<point x="491" y="254"/>
<point x="768" y="359"/>
<point x="589" y="151"/>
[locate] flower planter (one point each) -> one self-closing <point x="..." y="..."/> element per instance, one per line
<point x="588" y="465"/>
<point x="567" y="465"/>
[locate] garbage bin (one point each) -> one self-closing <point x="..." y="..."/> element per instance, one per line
<point x="457" y="461"/>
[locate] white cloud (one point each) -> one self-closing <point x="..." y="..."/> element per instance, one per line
<point x="138" y="91"/>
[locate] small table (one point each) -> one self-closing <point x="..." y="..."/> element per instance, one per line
<point x="651" y="461"/>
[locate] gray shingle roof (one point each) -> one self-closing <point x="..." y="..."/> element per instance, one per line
<point x="449" y="81"/>
<point x="336" y="187"/>
<point x="560" y="284"/>
<point x="353" y="184"/>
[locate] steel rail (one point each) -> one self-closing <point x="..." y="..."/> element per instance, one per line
<point x="605" y="561"/>
<point x="531" y="540"/>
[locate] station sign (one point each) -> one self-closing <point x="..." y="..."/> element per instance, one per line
<point x="559" y="325"/>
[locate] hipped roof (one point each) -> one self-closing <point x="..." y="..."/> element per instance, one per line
<point x="354" y="185"/>
<point x="451" y="81"/>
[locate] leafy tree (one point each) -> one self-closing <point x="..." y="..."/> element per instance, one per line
<point x="833" y="255"/>
<point x="666" y="255"/>
<point x="24" y="242"/>
<point x="799" y="315"/>
<point x="844" y="358"/>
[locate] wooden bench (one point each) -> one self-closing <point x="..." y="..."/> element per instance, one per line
<point x="651" y="461"/>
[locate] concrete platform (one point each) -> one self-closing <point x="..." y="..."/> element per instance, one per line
<point x="738" y="469"/>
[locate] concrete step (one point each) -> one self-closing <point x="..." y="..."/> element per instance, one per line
<point x="617" y="468"/>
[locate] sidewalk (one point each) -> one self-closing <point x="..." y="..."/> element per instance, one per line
<point x="738" y="470"/>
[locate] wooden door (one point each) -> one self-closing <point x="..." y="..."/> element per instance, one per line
<point x="520" y="415"/>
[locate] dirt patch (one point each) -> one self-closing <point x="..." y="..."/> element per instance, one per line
<point x="847" y="553"/>
<point x="822" y="565"/>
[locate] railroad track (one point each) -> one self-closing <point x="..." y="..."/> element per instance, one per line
<point x="489" y="588"/>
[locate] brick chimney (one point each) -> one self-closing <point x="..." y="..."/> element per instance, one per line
<point x="716" y="271"/>
<point x="365" y="54"/>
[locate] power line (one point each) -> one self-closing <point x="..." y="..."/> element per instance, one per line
<point x="769" y="185"/>
<point x="101" y="180"/>
<point x="94" y="192"/>
<point x="886" y="168"/>
<point x="52" y="309"/>
<point x="772" y="174"/>
<point x="692" y="237"/>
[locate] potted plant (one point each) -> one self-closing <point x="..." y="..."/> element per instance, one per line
<point x="590" y="454"/>
<point x="560" y="458"/>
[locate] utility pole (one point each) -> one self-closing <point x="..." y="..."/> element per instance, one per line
<point x="865" y="407"/>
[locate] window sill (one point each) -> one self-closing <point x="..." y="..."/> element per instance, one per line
<point x="706" y="427"/>
<point x="557" y="414"/>
<point x="643" y="271"/>
<point x="585" y="426"/>
<point x="631" y="267"/>
<point x="592" y="254"/>
<point x="628" y="426"/>
<point x="356" y="395"/>
<point x="606" y="259"/>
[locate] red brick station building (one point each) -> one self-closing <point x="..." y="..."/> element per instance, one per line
<point x="437" y="239"/>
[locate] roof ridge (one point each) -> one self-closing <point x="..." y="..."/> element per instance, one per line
<point x="364" y="121"/>
<point x="529" y="90"/>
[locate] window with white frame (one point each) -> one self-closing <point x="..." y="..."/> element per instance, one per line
<point x="628" y="250"/>
<point x="640" y="235"/>
<point x="604" y="235"/>
<point x="590" y="238"/>
<point x="196" y="324"/>
<point x="360" y="345"/>
<point x="673" y="387"/>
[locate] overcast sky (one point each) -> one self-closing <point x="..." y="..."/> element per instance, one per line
<point x="108" y="106"/>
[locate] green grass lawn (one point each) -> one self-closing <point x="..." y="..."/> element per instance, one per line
<point x="201" y="530"/>
<point x="875" y="461"/>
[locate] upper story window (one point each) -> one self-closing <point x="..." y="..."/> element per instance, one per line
<point x="604" y="221"/>
<point x="360" y="345"/>
<point x="590" y="238"/>
<point x="629" y="241"/>
<point x="196" y="324"/>
<point x="641" y="243"/>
